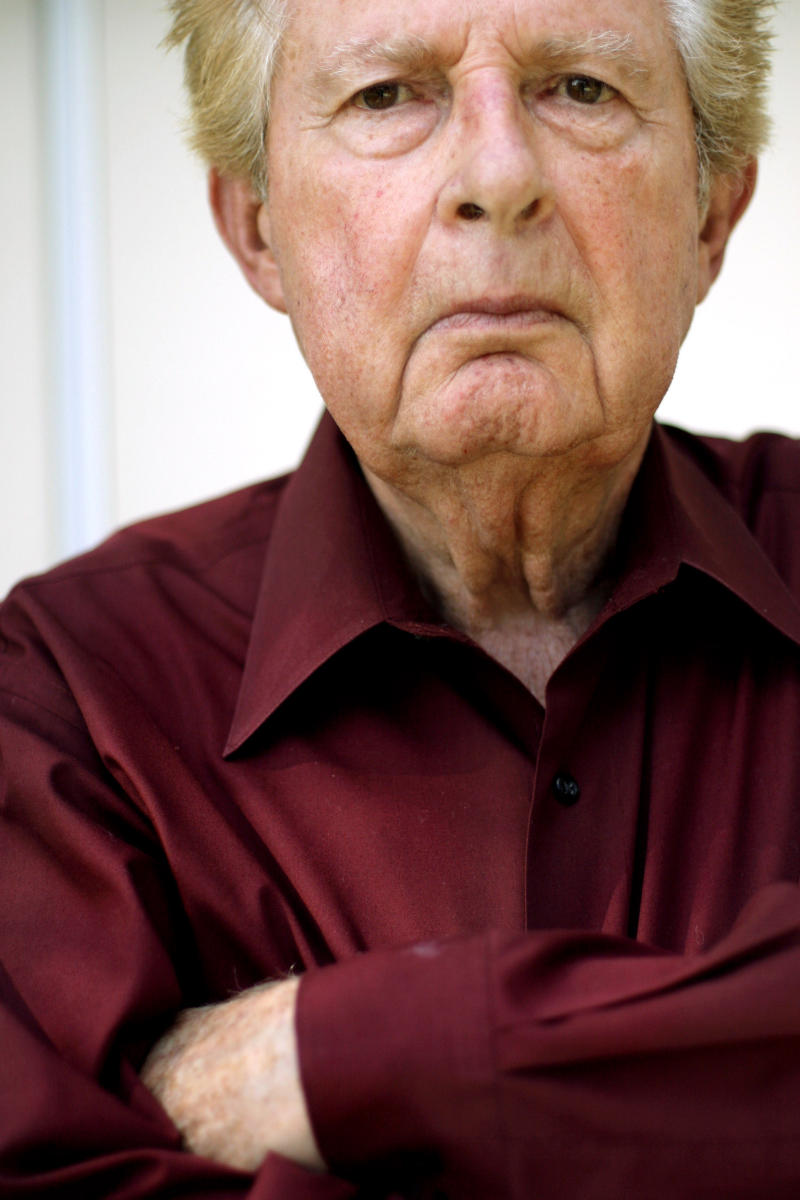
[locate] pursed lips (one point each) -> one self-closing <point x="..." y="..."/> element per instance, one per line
<point x="509" y="314"/>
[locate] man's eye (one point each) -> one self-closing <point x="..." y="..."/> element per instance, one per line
<point x="583" y="89"/>
<point x="380" y="96"/>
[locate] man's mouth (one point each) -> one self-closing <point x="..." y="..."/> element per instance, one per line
<point x="510" y="312"/>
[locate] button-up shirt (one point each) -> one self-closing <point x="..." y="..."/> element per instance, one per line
<point x="547" y="950"/>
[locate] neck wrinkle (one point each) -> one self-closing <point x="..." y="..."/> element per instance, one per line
<point x="501" y="548"/>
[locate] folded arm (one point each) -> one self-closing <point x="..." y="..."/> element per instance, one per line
<point x="591" y="1064"/>
<point x="227" y="1075"/>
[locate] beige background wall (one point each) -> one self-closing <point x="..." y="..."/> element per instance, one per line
<point x="194" y="386"/>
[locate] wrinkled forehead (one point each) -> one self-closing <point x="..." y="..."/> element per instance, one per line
<point x="315" y="28"/>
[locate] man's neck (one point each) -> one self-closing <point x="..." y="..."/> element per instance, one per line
<point x="515" y="553"/>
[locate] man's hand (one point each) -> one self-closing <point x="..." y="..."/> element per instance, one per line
<point x="228" y="1077"/>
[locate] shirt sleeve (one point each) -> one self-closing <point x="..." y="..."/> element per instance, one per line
<point x="93" y="965"/>
<point x="566" y="1064"/>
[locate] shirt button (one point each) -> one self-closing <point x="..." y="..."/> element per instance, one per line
<point x="566" y="789"/>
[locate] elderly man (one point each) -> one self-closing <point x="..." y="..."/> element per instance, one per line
<point x="426" y="823"/>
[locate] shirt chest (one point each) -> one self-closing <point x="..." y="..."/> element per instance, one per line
<point x="413" y="790"/>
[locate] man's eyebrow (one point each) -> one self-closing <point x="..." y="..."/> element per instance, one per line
<point x="414" y="55"/>
<point x="605" y="46"/>
<point x="406" y="52"/>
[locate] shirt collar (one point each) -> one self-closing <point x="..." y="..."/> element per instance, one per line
<point x="333" y="569"/>
<point x="677" y="517"/>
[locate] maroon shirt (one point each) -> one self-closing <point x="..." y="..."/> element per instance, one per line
<point x="236" y="741"/>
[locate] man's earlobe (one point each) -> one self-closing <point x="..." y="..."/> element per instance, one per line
<point x="242" y="220"/>
<point x="729" y="197"/>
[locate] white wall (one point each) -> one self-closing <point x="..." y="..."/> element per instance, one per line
<point x="25" y="518"/>
<point x="205" y="388"/>
<point x="209" y="388"/>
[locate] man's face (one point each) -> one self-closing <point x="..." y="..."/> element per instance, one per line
<point x="485" y="221"/>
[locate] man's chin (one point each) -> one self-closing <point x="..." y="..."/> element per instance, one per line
<point x="533" y="419"/>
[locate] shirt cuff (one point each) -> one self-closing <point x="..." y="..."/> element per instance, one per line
<point x="396" y="1060"/>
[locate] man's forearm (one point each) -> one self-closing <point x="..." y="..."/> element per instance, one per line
<point x="228" y="1077"/>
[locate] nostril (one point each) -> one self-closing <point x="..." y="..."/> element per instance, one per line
<point x="530" y="210"/>
<point x="470" y="212"/>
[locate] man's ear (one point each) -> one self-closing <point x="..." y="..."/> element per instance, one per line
<point x="242" y="219"/>
<point x="729" y="197"/>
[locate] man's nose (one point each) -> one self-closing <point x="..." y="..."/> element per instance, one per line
<point x="496" y="172"/>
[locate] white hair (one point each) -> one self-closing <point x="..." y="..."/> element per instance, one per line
<point x="725" y="47"/>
